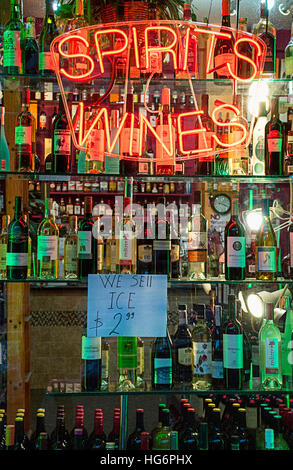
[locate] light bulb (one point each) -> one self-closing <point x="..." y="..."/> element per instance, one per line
<point x="255" y="305"/>
<point x="254" y="220"/>
<point x="258" y="92"/>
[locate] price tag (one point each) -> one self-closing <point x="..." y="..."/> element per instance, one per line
<point x="127" y="305"/>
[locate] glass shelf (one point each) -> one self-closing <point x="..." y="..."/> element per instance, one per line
<point x="248" y="179"/>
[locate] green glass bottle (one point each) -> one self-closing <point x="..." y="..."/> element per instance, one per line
<point x="47" y="249"/>
<point x="31" y="48"/>
<point x="13" y="41"/>
<point x="17" y="246"/>
<point x="270" y="352"/>
<point x="158" y="427"/>
<point x="127" y="363"/>
<point x="234" y="247"/>
<point x="48" y="33"/>
<point x="162" y="440"/>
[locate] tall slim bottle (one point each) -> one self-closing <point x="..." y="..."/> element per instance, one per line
<point x="258" y="141"/>
<point x="223" y="53"/>
<point x="267" y="33"/>
<point x="127" y="363"/>
<point x="13" y="41"/>
<point x="165" y="164"/>
<point x="91" y="364"/>
<point x="31" y="48"/>
<point x="274" y="141"/>
<point x="130" y="129"/>
<point x="162" y="242"/>
<point x="217" y="350"/>
<point x="270" y="352"/>
<point x="4" y="150"/>
<point x="202" y="351"/>
<point x="48" y="247"/>
<point x="161" y="365"/>
<point x="48" y="33"/>
<point x="25" y="137"/>
<point x="234" y="247"/>
<point x="289" y="55"/>
<point x="197" y="244"/>
<point x="266" y="248"/>
<point x="126" y="245"/>
<point x="183" y="352"/>
<point x="232" y="348"/>
<point x="87" y="243"/>
<point x="61" y="141"/>
<point x="17" y="246"/>
<point x="3" y="246"/>
<point x="134" y="439"/>
<point x="70" y="250"/>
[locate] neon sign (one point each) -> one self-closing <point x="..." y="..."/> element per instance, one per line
<point x="144" y="47"/>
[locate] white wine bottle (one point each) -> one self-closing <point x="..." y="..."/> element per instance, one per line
<point x="47" y="248"/>
<point x="266" y="249"/>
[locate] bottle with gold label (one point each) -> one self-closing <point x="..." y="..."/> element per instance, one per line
<point x="3" y="246"/>
<point x="70" y="250"/>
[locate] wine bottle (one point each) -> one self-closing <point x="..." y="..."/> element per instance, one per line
<point x="244" y="68"/>
<point x="20" y="438"/>
<point x="289" y="55"/>
<point x="127" y="363"/>
<point x="48" y="246"/>
<point x="216" y="435"/>
<point x="266" y="248"/>
<point x="17" y="246"/>
<point x="165" y="164"/>
<point x="280" y="443"/>
<point x="204" y="164"/>
<point x="258" y="141"/>
<point x="202" y="351"/>
<point x="126" y="245"/>
<point x="203" y="436"/>
<point x="70" y="250"/>
<point x="288" y="164"/>
<point x="60" y="438"/>
<point x="129" y="167"/>
<point x="175" y="263"/>
<point x="162" y="439"/>
<point x="79" y="424"/>
<point x="48" y="33"/>
<point x="13" y="39"/>
<point x="95" y="153"/>
<point x="234" y="247"/>
<point x="114" y="434"/>
<point x="197" y="244"/>
<point x="3" y="246"/>
<point x="25" y="138"/>
<point x="145" y="254"/>
<point x="134" y="439"/>
<point x="105" y="374"/>
<point x="4" y="150"/>
<point x="274" y="142"/>
<point x="270" y="352"/>
<point x="158" y="426"/>
<point x="189" y="439"/>
<point x="91" y="364"/>
<point x="232" y="348"/>
<point x="217" y="350"/>
<point x="87" y="243"/>
<point x="239" y="429"/>
<point x="61" y="141"/>
<point x="162" y="241"/>
<point x="97" y="441"/>
<point x="182" y="347"/>
<point x="31" y="48"/>
<point x="267" y="33"/>
<point x="224" y="53"/>
<point x="161" y="369"/>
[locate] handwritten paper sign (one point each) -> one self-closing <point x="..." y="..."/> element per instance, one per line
<point x="127" y="305"/>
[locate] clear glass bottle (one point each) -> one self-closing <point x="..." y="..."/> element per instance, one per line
<point x="70" y="250"/>
<point x="202" y="351"/>
<point x="270" y="352"/>
<point x="127" y="363"/>
<point x="266" y="248"/>
<point x="289" y="55"/>
<point x="48" y="244"/>
<point x="197" y="244"/>
<point x="3" y="246"/>
<point x="105" y="374"/>
<point x="25" y="138"/>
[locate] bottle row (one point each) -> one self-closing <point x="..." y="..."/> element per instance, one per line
<point x="216" y="428"/>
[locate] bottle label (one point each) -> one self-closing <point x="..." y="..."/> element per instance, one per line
<point x="145" y="253"/>
<point x="162" y="157"/>
<point x="140" y="360"/>
<point x="70" y="260"/>
<point x="17" y="259"/>
<point x="233" y="351"/>
<point x="62" y="142"/>
<point x="185" y="356"/>
<point x="91" y="348"/>
<point x="236" y="252"/>
<point x="105" y="364"/>
<point x="3" y="252"/>
<point x="42" y="121"/>
<point x="290" y="169"/>
<point x="266" y="259"/>
<point x="125" y="247"/>
<point x="143" y="167"/>
<point x="163" y="370"/>
<point x="289" y="65"/>
<point x="197" y="241"/>
<point x="259" y="148"/>
<point x="275" y="142"/>
<point x="125" y="140"/>
<point x="46" y="61"/>
<point x="202" y="357"/>
<point x="223" y="60"/>
<point x="12" y="50"/>
<point x="96" y="145"/>
<point x="272" y="356"/>
<point x="175" y="253"/>
<point x="23" y="138"/>
<point x="197" y="256"/>
<point x="217" y="370"/>
<point x="162" y="245"/>
<point x="84" y="244"/>
<point x="47" y="248"/>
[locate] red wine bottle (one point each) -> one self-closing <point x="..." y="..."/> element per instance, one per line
<point x="274" y="141"/>
<point x="17" y="245"/>
<point x="232" y="348"/>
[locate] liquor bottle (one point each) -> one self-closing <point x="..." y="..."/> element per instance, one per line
<point x="266" y="248"/>
<point x="274" y="141"/>
<point x="78" y="65"/>
<point x="91" y="364"/>
<point x="232" y="348"/>
<point x="48" y="33"/>
<point x="270" y="352"/>
<point x="61" y="141"/>
<point x="13" y="39"/>
<point x="134" y="439"/>
<point x="127" y="363"/>
<point x="140" y="382"/>
<point x="161" y="363"/>
<point x="95" y="152"/>
<point x="182" y="348"/>
<point x="244" y="69"/>
<point x="202" y="351"/>
<point x="31" y="48"/>
<point x="217" y="350"/>
<point x="216" y="435"/>
<point x="289" y="55"/>
<point x="17" y="245"/>
<point x="224" y="47"/>
<point x="204" y="164"/>
<point x="162" y="439"/>
<point x="288" y="164"/>
<point x="197" y="244"/>
<point x="189" y="438"/>
<point x="165" y="163"/>
<point x="97" y="440"/>
<point x="48" y="246"/>
<point x="3" y="246"/>
<point x="145" y="253"/>
<point x="87" y="243"/>
<point x="126" y="245"/>
<point x="162" y="241"/>
<point x="258" y="141"/>
<point x="4" y="150"/>
<point x="234" y="247"/>
<point x="130" y="129"/>
<point x="267" y="33"/>
<point x="70" y="250"/>
<point x="25" y="138"/>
